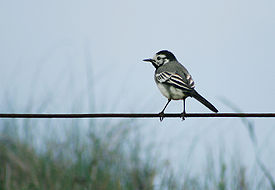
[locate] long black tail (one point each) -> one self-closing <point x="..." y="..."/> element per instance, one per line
<point x="201" y="99"/>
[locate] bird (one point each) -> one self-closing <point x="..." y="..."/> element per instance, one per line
<point x="174" y="81"/>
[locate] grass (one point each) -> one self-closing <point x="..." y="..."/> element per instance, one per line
<point x="78" y="154"/>
<point x="108" y="161"/>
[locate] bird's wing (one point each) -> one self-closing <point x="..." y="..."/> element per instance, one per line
<point x="176" y="80"/>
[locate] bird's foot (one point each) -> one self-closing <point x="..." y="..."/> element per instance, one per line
<point x="182" y="115"/>
<point x="161" y="115"/>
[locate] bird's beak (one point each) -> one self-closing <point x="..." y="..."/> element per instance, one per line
<point x="148" y="60"/>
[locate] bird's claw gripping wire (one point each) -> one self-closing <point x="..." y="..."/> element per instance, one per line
<point x="182" y="116"/>
<point x="161" y="116"/>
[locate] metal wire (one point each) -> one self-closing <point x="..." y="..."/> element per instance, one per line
<point x="129" y="115"/>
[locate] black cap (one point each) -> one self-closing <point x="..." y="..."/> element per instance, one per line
<point x="168" y="54"/>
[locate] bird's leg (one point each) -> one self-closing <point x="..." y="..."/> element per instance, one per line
<point x="183" y="113"/>
<point x="161" y="114"/>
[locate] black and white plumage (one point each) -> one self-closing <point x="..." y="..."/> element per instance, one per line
<point x="174" y="81"/>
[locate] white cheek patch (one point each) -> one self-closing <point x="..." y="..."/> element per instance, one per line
<point x="162" y="59"/>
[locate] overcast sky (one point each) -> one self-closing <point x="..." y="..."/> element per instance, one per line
<point x="89" y="54"/>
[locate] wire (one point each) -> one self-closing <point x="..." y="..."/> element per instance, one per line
<point x="129" y="115"/>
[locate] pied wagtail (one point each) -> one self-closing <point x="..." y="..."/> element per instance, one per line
<point x="174" y="81"/>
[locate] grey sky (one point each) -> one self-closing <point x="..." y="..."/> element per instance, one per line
<point x="227" y="46"/>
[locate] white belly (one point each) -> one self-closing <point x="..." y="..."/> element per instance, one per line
<point x="163" y="90"/>
<point x="171" y="92"/>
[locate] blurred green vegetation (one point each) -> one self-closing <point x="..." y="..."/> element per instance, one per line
<point x="103" y="159"/>
<point x="106" y="155"/>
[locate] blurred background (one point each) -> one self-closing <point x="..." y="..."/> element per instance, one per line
<point x="86" y="57"/>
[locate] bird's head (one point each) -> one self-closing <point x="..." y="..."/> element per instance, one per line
<point x="161" y="58"/>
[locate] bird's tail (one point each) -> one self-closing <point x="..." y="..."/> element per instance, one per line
<point x="201" y="99"/>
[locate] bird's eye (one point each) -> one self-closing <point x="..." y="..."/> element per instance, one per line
<point x="158" y="58"/>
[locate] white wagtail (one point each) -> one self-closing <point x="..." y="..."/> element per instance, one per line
<point x="174" y="81"/>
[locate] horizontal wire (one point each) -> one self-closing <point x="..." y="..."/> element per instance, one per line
<point x="129" y="115"/>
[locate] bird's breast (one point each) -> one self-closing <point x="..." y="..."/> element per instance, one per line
<point x="164" y="90"/>
<point x="171" y="92"/>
